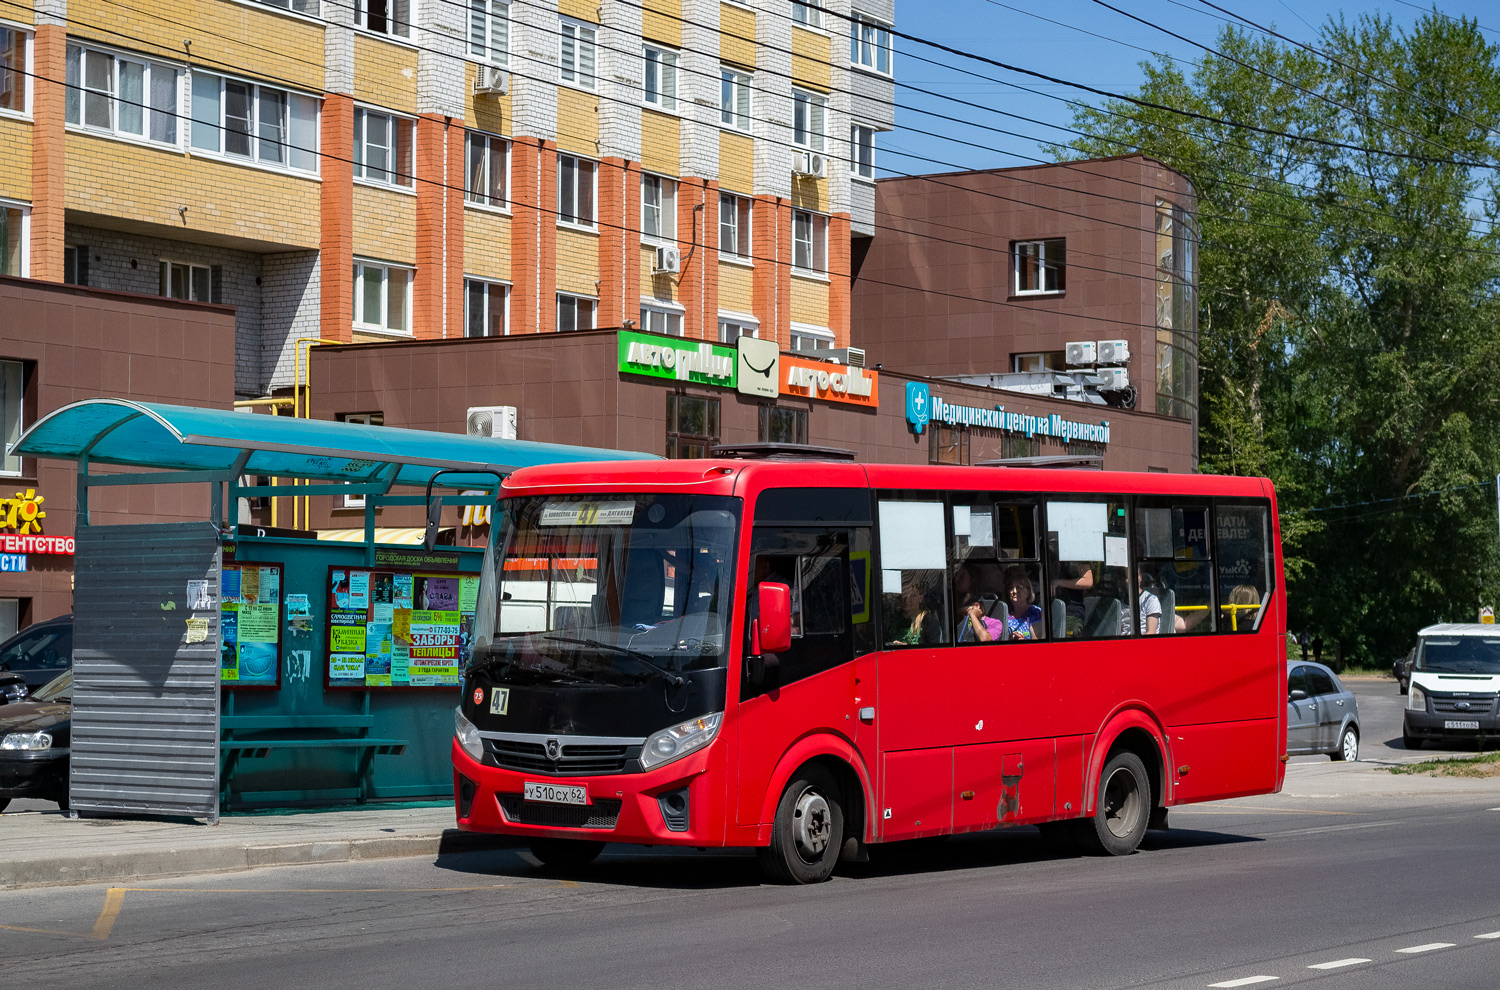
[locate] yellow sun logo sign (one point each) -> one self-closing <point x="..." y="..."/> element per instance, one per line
<point x="23" y="513"/>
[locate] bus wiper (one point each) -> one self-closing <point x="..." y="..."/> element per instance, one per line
<point x="642" y="658"/>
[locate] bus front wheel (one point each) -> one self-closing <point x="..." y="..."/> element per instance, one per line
<point x="1122" y="811"/>
<point x="566" y="854"/>
<point x="808" y="831"/>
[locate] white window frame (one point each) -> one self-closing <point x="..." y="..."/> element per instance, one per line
<point x="23" y="75"/>
<point x="389" y="272"/>
<point x="861" y="145"/>
<point x="489" y="20"/>
<point x="870" y="44"/>
<point x="735" y="99"/>
<point x="361" y="419"/>
<point x="396" y="175"/>
<point x="488" y="284"/>
<point x="23" y="237"/>
<point x="575" y="300"/>
<point x="660" y="317"/>
<point x="13" y="375"/>
<point x="571" y="48"/>
<point x="809" y="119"/>
<point x="396" y="26"/>
<point x="199" y="129"/>
<point x="312" y="9"/>
<point x="658" y="209"/>
<point x="165" y="267"/>
<point x="741" y="211"/>
<point x="733" y="326"/>
<point x="79" y="94"/>
<point x="1039" y="251"/>
<point x="815" y="241"/>
<point x="661" y="65"/>
<point x="472" y="194"/>
<point x="821" y="338"/>
<point x="808" y="14"/>
<point x="592" y="222"/>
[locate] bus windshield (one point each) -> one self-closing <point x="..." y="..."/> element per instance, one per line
<point x="1461" y="655"/>
<point x="608" y="589"/>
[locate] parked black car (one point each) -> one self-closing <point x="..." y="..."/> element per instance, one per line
<point x="39" y="652"/>
<point x="34" y="738"/>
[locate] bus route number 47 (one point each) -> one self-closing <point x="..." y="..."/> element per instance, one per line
<point x="556" y="794"/>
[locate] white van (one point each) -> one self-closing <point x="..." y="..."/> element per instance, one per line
<point x="1454" y="684"/>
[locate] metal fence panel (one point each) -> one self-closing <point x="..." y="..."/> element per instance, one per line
<point x="146" y="670"/>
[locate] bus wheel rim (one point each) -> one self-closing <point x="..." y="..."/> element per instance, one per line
<point x="812" y="821"/>
<point x="1122" y="800"/>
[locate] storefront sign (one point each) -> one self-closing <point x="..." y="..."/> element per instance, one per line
<point x="11" y="543"/>
<point x="678" y="359"/>
<point x="23" y="514"/>
<point x="759" y="367"/>
<point x="923" y="407"/>
<point x="833" y="382"/>
<point x="13" y="563"/>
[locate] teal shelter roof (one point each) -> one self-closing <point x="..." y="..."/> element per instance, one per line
<point x="186" y="438"/>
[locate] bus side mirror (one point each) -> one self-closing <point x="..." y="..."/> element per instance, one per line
<point x="774" y="626"/>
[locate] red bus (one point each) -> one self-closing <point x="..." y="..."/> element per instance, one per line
<point x="812" y="657"/>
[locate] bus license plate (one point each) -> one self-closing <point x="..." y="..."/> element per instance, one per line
<point x="1457" y="724"/>
<point x="558" y="793"/>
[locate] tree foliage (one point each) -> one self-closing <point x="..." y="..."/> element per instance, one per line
<point x="1350" y="330"/>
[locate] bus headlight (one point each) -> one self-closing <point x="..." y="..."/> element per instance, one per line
<point x="467" y="736"/>
<point x="680" y="740"/>
<point x="1416" y="699"/>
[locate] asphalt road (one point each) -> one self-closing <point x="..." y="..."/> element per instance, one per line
<point x="1389" y="891"/>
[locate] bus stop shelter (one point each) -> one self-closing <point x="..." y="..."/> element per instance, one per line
<point x="217" y="668"/>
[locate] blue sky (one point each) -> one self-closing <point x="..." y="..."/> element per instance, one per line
<point x="1014" y="32"/>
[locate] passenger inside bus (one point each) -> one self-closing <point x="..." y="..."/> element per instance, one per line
<point x="917" y="621"/>
<point x="1148" y="604"/>
<point x="1025" y="617"/>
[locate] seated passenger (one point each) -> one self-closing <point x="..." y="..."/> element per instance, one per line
<point x="1148" y="605"/>
<point x="980" y="627"/>
<point x="924" y="603"/>
<point x="1025" y="617"/>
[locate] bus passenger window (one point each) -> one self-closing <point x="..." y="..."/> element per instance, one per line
<point x="1088" y="566"/>
<point x="1243" y="565"/>
<point x="1176" y="568"/>
<point x="913" y="574"/>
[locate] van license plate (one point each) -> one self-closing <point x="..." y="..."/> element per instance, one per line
<point x="1456" y="724"/>
<point x="564" y="794"/>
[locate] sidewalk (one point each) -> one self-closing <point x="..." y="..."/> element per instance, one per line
<point x="45" y="848"/>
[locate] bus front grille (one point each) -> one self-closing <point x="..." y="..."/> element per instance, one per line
<point x="602" y="814"/>
<point x="573" y="759"/>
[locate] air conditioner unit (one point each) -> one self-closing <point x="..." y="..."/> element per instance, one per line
<point x="491" y="80"/>
<point x="498" y="422"/>
<point x="854" y="357"/>
<point x="1114" y="351"/>
<point x="1112" y="379"/>
<point x="668" y="260"/>
<point x="810" y="164"/>
<point x="1081" y="352"/>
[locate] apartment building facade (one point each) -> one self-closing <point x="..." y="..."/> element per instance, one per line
<point x="397" y="170"/>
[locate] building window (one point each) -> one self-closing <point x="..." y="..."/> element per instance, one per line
<point x="12" y="413"/>
<point x="659" y="319"/>
<point x="124" y="96"/>
<point x="308" y="7"/>
<point x="862" y="151"/>
<point x="576" y="184"/>
<point x="575" y="312"/>
<point x="1039" y="266"/>
<point x="15" y="239"/>
<point x="76" y="265"/>
<point x="489" y="170"/>
<point x="779" y="424"/>
<point x="806" y="337"/>
<point x="363" y="419"/>
<point x="1176" y="312"/>
<point x="489" y="30"/>
<point x="392" y="17"/>
<point x="243" y="120"/>
<point x="807" y="119"/>
<point x="947" y="444"/>
<point x="692" y="425"/>
<point x="808" y="13"/>
<point x="486" y="308"/>
<point x="809" y="241"/>
<point x="658" y="208"/>
<point x="576" y="63"/>
<point x="15" y="70"/>
<point x="869" y="44"/>
<point x="661" y="78"/>
<point x="382" y="297"/>
<point x="194" y="283"/>
<point x="734" y="226"/>
<point x="734" y="98"/>
<point x="1038" y="361"/>
<point x="382" y="148"/>
<point x="732" y="328"/>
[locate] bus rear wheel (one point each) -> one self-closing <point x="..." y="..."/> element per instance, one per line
<point x="1122" y="811"/>
<point x="566" y="854"/>
<point x="808" y="830"/>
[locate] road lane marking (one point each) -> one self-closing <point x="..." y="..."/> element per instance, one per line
<point x="1428" y="947"/>
<point x="1489" y="935"/>
<point x="1245" y="981"/>
<point x="1335" y="828"/>
<point x="114" y="897"/>
<point x="1219" y="809"/>
<point x="1338" y="964"/>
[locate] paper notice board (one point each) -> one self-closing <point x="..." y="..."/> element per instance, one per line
<point x="250" y="624"/>
<point x="390" y="628"/>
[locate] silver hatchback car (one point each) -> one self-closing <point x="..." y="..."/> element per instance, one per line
<point x="1321" y="714"/>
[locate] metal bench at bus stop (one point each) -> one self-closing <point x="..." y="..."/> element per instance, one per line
<point x="233" y="750"/>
